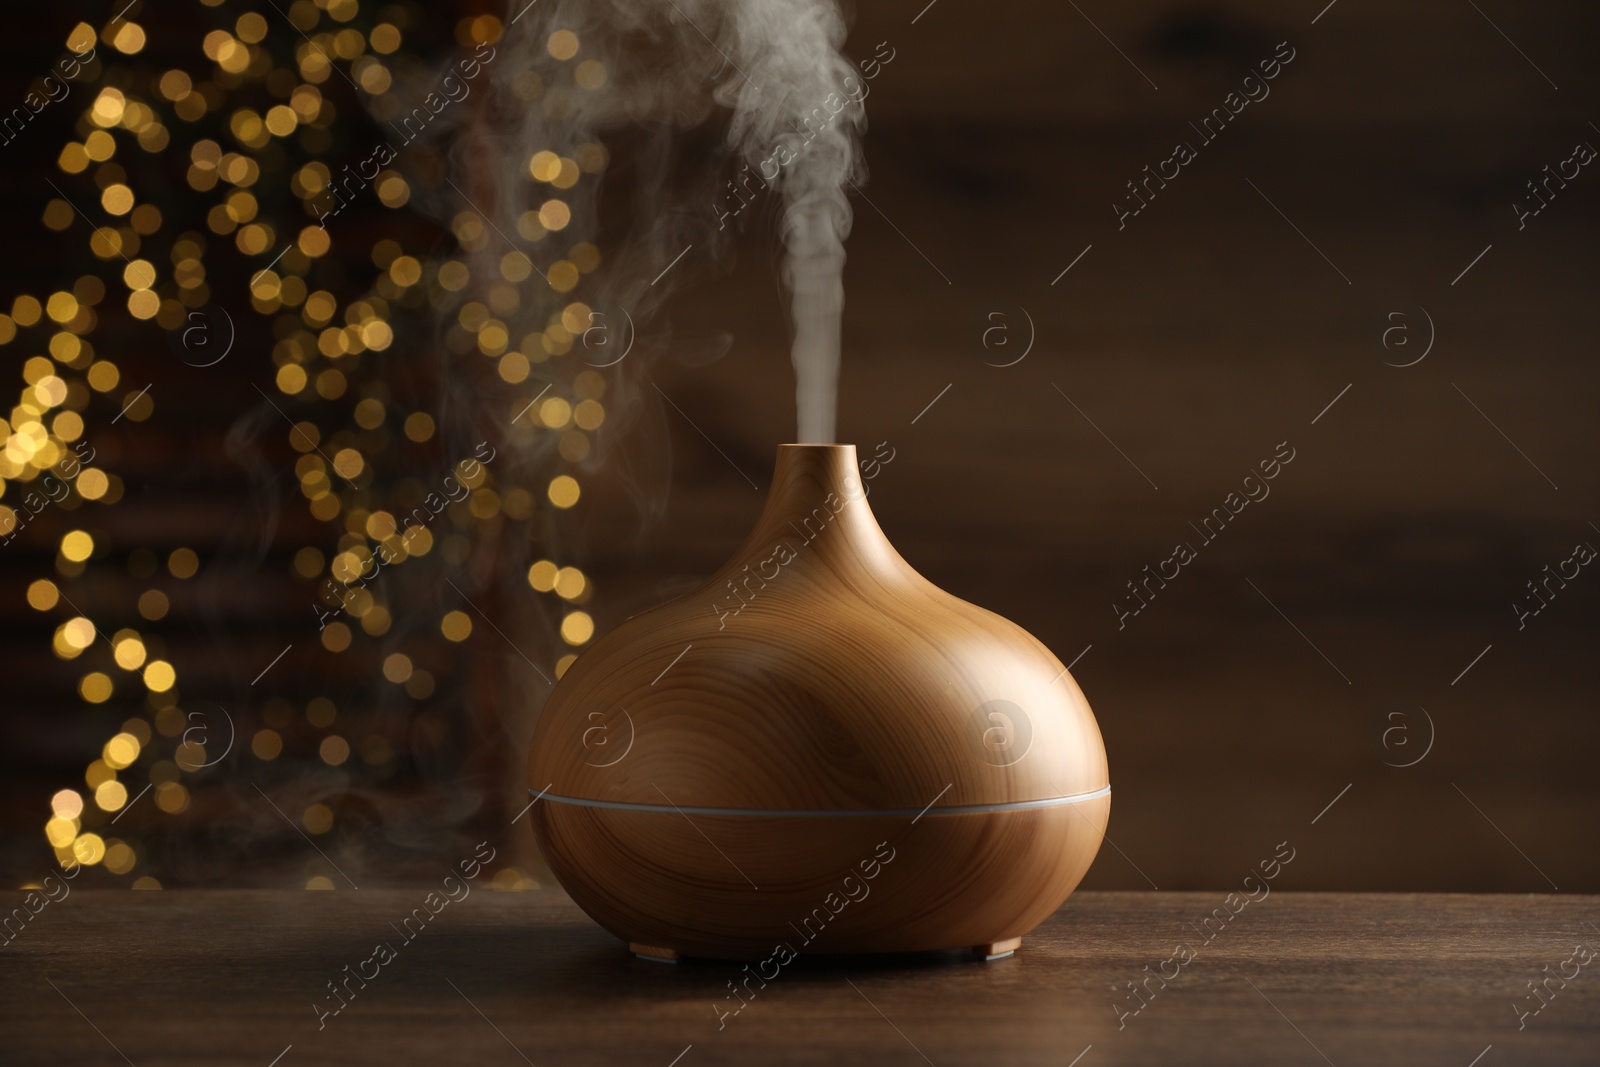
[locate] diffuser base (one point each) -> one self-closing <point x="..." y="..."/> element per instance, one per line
<point x="997" y="950"/>
<point x="654" y="953"/>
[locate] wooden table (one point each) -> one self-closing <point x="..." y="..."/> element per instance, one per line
<point x="233" y="977"/>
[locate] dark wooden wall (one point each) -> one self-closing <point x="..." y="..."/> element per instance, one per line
<point x="1252" y="291"/>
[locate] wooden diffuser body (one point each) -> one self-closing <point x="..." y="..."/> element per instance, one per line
<point x="819" y="749"/>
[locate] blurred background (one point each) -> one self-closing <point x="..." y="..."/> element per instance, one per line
<point x="225" y="413"/>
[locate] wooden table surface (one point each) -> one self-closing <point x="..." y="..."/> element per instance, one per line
<point x="499" y="978"/>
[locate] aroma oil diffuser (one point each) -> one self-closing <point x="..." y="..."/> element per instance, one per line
<point x="818" y="749"/>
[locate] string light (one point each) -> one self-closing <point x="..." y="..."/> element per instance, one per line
<point x="238" y="149"/>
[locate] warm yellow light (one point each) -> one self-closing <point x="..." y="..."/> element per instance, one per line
<point x="120" y="858"/>
<point x="590" y="74"/>
<point x="89" y="849"/>
<point x="117" y="199"/>
<point x="92" y="483"/>
<point x="589" y="414"/>
<point x="111" y="796"/>
<point x="563" y="276"/>
<point x="317" y="819"/>
<point x="542" y="576"/>
<point x="129" y="38"/>
<point x="153" y="604"/>
<point x="563" y="491"/>
<point x="43" y="594"/>
<point x="159" y="676"/>
<point x="563" y="44"/>
<point x="554" y="214"/>
<point x="544" y="166"/>
<point x="397" y="667"/>
<point x="171" y="797"/>
<point x="266" y="744"/>
<point x="60" y="832"/>
<point x="577" y="628"/>
<point x="120" y="751"/>
<point x="419" y="426"/>
<point x="129" y="653"/>
<point x="348" y="462"/>
<point x="336" y="637"/>
<point x="456" y="626"/>
<point x="570" y="583"/>
<point x="78" y="633"/>
<point x="77" y="546"/>
<point x="334" y="750"/>
<point x="67" y="804"/>
<point x="95" y="687"/>
<point x="555" y="412"/>
<point x="183" y="563"/>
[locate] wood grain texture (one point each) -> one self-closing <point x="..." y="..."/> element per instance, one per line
<point x="226" y="978"/>
<point x="816" y="671"/>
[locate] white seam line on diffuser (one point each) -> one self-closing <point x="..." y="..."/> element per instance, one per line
<point x="899" y="231"/>
<point x="890" y="1021"/>
<point x="1081" y="1055"/>
<point x="932" y="402"/>
<point x="535" y="400"/>
<point x="924" y="11"/>
<point x="702" y="833"/>
<point x="1502" y="833"/>
<point x="1290" y="1021"/>
<point x="932" y="802"/>
<point x="702" y="433"/>
<point x="1474" y="262"/>
<point x="674" y="663"/>
<point x="1301" y="232"/>
<point x="1301" y="632"/>
<point x="129" y="805"/>
<point x="90" y="1021"/>
<point x="1074" y="263"/>
<point x="490" y="1021"/>
<point x="1112" y="843"/>
<point x="523" y="12"/>
<point x="686" y="1048"/>
<point x="132" y="402"/>
<point x="1513" y="44"/>
<point x="531" y="803"/>
<point x="1502" y="433"/>
<point x="282" y="1054"/>
<point x="302" y="833"/>
<point x="1102" y="433"/>
<point x="274" y="662"/>
<point x="1332" y="402"/>
<point x="1474" y="662"/>
<point x="1113" y="44"/>
<point x="831" y="813"/>
<point x="499" y="631"/>
<point x="1324" y="11"/>
<point x="1480" y="1056"/>
<point x="1331" y="803"/>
